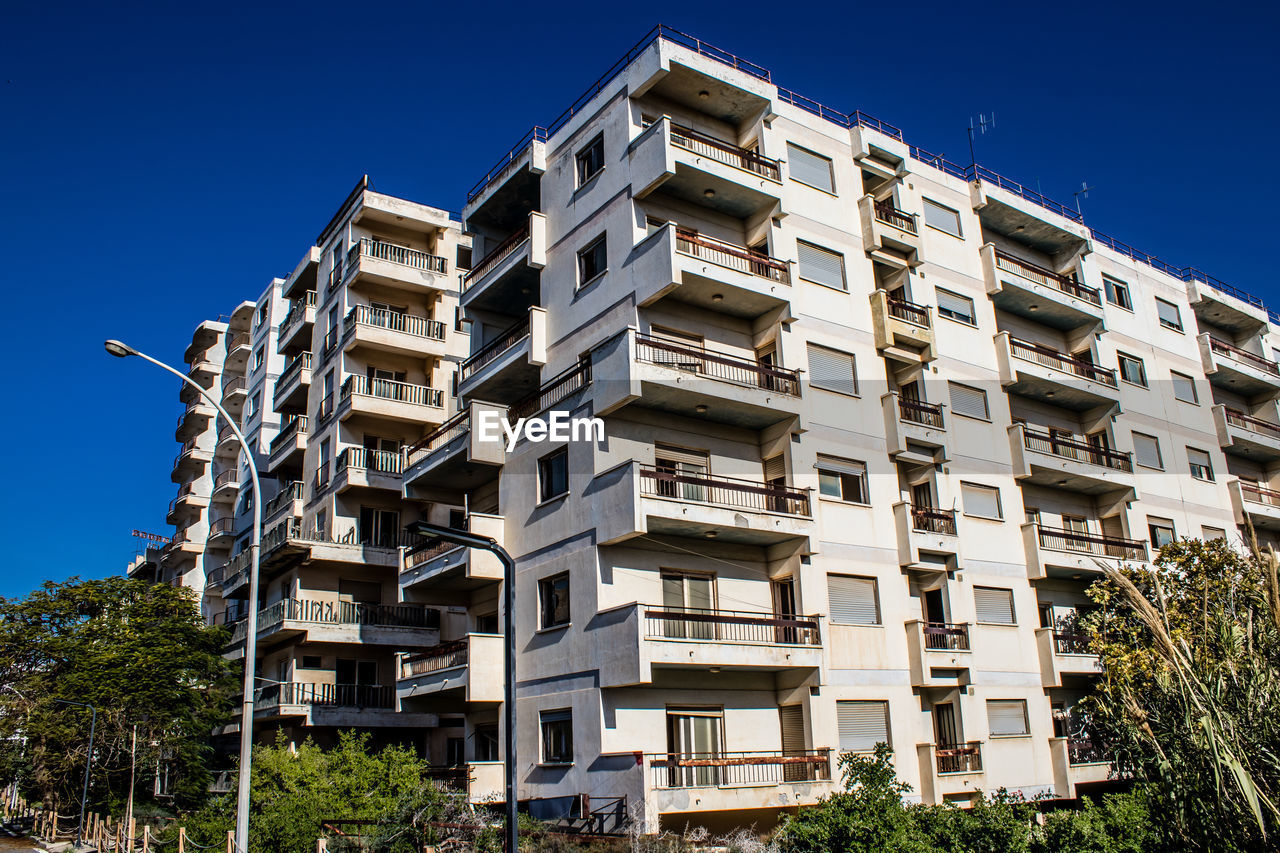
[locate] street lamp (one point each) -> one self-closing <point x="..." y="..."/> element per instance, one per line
<point x="121" y="350"/>
<point x="488" y="543"/>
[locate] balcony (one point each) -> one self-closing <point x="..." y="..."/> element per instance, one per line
<point x="928" y="538"/>
<point x="187" y="504"/>
<point x="1065" y="461"/>
<point x="948" y="770"/>
<point x="289" y="445"/>
<point x="1257" y="504"/>
<point x="295" y="328"/>
<point x="1237" y="370"/>
<point x="508" y="366"/>
<point x="287" y="503"/>
<point x="1042" y="373"/>
<point x="903" y="330"/>
<point x="915" y="431"/>
<point x="939" y="653"/>
<point x="293" y="384"/>
<point x="389" y="265"/>
<point x="334" y="705"/>
<point x="444" y="565"/>
<point x="1040" y="294"/>
<point x="325" y="620"/>
<point x="468" y="670"/>
<point x="638" y="369"/>
<point x="511" y="187"/>
<point x="453" y="459"/>
<point x="303" y="277"/>
<point x="204" y="336"/>
<point x="1054" y="552"/>
<point x="1244" y="435"/>
<point x="1077" y="761"/>
<point x="1025" y="216"/>
<point x="221" y="532"/>
<point x="509" y="272"/>
<point x="238" y="350"/>
<point x="286" y="544"/>
<point x="194" y="419"/>
<point x="738" y="781"/>
<point x="635" y="499"/>
<point x="226" y="485"/>
<point x="1219" y="304"/>
<point x="190" y="460"/>
<point x="699" y="169"/>
<point x="362" y="468"/>
<point x="393" y="332"/>
<point x="1065" y="654"/>
<point x="204" y="368"/>
<point x="227" y="448"/>
<point x="234" y="392"/>
<point x="391" y="400"/>
<point x="889" y="235"/>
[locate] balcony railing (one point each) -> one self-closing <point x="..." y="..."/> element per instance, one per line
<point x="722" y="769"/>
<point x="1244" y="356"/>
<point x="1247" y="422"/>
<point x="494" y="348"/>
<point x="959" y="758"/>
<point x="500" y="253"/>
<point x="297" y="310"/>
<point x="1085" y="750"/>
<point x="1060" y="539"/>
<point x="1050" y="357"/>
<point x="725" y="152"/>
<point x="349" y="613"/>
<point x="732" y="257"/>
<point x="428" y="550"/>
<point x="920" y="412"/>
<point x="1075" y="448"/>
<point x="222" y="526"/>
<point x="294" y="427"/>
<point x="714" y="365"/>
<point x="299" y="363"/>
<point x="381" y="461"/>
<point x="908" y="312"/>
<point x="292" y="492"/>
<point x="333" y="695"/>
<point x="1259" y="494"/>
<point x="887" y="213"/>
<point x="230" y="477"/>
<point x="1066" y="643"/>
<point x="946" y="636"/>
<point x="557" y="388"/>
<point x="722" y="491"/>
<point x="403" y="255"/>
<point x="1049" y="278"/>
<point x="388" y="389"/>
<point x="395" y="321"/>
<point x="458" y="424"/>
<point x="238" y="383"/>
<point x="443" y="656"/>
<point x="730" y="626"/>
<point x="927" y="519"/>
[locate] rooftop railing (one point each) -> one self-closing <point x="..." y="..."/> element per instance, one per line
<point x="731" y="256"/>
<point x="1050" y="357"/>
<point x="1101" y="545"/>
<point x="720" y="366"/>
<point x="723" y="491"/>
<point x="1075" y="448"/>
<point x="730" y="626"/>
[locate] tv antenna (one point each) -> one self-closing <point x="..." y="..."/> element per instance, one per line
<point x="981" y="124"/>
<point x="1083" y="192"/>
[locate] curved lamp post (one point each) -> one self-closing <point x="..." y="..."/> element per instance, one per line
<point x="121" y="350"/>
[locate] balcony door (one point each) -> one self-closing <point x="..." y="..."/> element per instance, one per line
<point x="379" y="527"/>
<point x="388" y="316"/>
<point x="784" y="607"/>
<point x="944" y="726"/>
<point x="692" y="593"/>
<point x="381" y="453"/>
<point x="356" y="682"/>
<point x="1078" y="525"/>
<point x="791" y="719"/>
<point x="683" y="351"/>
<point x="922" y="496"/>
<point x="680" y="472"/>
<point x="695" y="734"/>
<point x="383" y="383"/>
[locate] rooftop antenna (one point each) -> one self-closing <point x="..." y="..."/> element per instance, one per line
<point x="982" y="124"/>
<point x="1083" y="192"/>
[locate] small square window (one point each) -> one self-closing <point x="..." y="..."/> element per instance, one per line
<point x="844" y="479"/>
<point x="311" y="662"/>
<point x="591" y="160"/>
<point x="553" y="475"/>
<point x="969" y="401"/>
<point x="941" y="217"/>
<point x="1117" y="293"/>
<point x="955" y="307"/>
<point x="1169" y="316"/>
<point x="1146" y="451"/>
<point x="557" y="736"/>
<point x="1007" y="717"/>
<point x="1184" y="387"/>
<point x="1132" y="369"/>
<point x="593" y="261"/>
<point x="553" y="601"/>
<point x="1200" y="464"/>
<point x="1161" y="531"/>
<point x="981" y="501"/>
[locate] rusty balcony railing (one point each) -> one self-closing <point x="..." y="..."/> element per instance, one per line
<point x="715" y="365"/>
<point x="908" y="312"/>
<point x="725" y="152"/>
<point x="887" y="213"/>
<point x="946" y="636"/>
<point x="1050" y="357"/>
<point x="730" y="626"/>
<point x="1076" y="448"/>
<point x="1240" y="420"/>
<point x="927" y="519"/>
<point x="1049" y="278"/>
<point x="662" y="482"/>
<point x="1061" y="539"/>
<point x="726" y="769"/>
<point x="1244" y="356"/>
<point x="1085" y="750"/>
<point x="920" y="412"/>
<point x="732" y="257"/>
<point x="1259" y="494"/>
<point x="959" y="758"/>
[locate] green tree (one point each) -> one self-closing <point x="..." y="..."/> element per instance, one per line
<point x="138" y="652"/>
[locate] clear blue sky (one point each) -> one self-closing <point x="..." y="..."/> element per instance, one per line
<point x="160" y="162"/>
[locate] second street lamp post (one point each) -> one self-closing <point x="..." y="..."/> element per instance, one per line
<point x="121" y="350"/>
<point x="488" y="543"/>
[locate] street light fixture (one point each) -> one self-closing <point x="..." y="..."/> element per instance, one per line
<point x="122" y="350"/>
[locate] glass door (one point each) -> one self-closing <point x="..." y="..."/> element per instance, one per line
<point x="694" y="735"/>
<point x="681" y="473"/>
<point x="692" y="594"/>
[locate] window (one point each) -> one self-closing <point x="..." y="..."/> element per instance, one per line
<point x="486" y="743"/>
<point x="259" y="357"/>
<point x="591" y="160"/>
<point x="1201" y="467"/>
<point x="981" y="501"/>
<point x="832" y="370"/>
<point x="262" y="315"/>
<point x="994" y="605"/>
<point x="941" y="217"/>
<point x="969" y="401"/>
<point x="557" y="736"/>
<point x="1132" y="369"/>
<point x="955" y="307"/>
<point x="553" y="600"/>
<point x="1117" y="293"/>
<point x="810" y="169"/>
<point x="1161" y="531"/>
<point x="1210" y="533"/>
<point x="1169" y="316"/>
<point x="862" y="725"/>
<point x="593" y="261"/>
<point x="311" y="662"/>
<point x="322" y="471"/>
<point x="1007" y="717"/>
<point x="553" y="475"/>
<point x="1146" y="451"/>
<point x="853" y="600"/>
<point x="819" y="265"/>
<point x="844" y="479"/>
<point x="1184" y="387"/>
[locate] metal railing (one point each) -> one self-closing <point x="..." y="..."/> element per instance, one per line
<point x="1061" y="539"/>
<point x="381" y="461"/>
<point x="499" y="253"/>
<point x="428" y="550"/>
<point x="230" y="477"/>
<point x="725" y="152"/>
<point x="350" y="613"/>
<point x="389" y="389"/>
<point x="297" y="364"/>
<point x="458" y="424"/>
<point x="723" y="491"/>
<point x="494" y="348"/>
<point x="296" y="425"/>
<point x="1050" y="357"/>
<point x="1239" y="419"/>
<point x="382" y="697"/>
<point x="724" y="769"/>
<point x="563" y="385"/>
<point x="979" y="173"/>
<point x="240" y="340"/>
<point x="908" y="312"/>
<point x="403" y="255"/>
<point x="297" y="311"/>
<point x="1259" y="494"/>
<point x="714" y="365"/>
<point x="1049" y="278"/>
<point x="730" y="626"/>
<point x="920" y="412"/>
<point x="441" y="657"/>
<point x="293" y="491"/>
<point x="946" y="636"/>
<point x="395" y="321"/>
<point x="1243" y="356"/>
<point x="731" y="256"/>
<point x="1066" y="643"/>
<point x="537" y="134"/>
<point x="1085" y="750"/>
<point x="927" y="519"/>
<point x="1076" y="448"/>
<point x="887" y="213"/>
<point x="959" y="758"/>
<point x="238" y="383"/>
<point x="222" y="526"/>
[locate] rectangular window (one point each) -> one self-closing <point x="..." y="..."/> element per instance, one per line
<point x="1211" y="533"/>
<point x="1007" y="717"/>
<point x="1161" y="531"/>
<point x="322" y="472"/>
<point x="1201" y="467"/>
<point x="553" y="601"/>
<point x="1169" y="316"/>
<point x="994" y="605"/>
<point x="862" y="725"/>
<point x="311" y="662"/>
<point x="259" y="357"/>
<point x="833" y="370"/>
<point x="1146" y="451"/>
<point x="955" y="306"/>
<point x="591" y="160"/>
<point x="853" y="600"/>
<point x="553" y="475"/>
<point x="1132" y="369"/>
<point x="1117" y="292"/>
<point x="969" y="401"/>
<point x="557" y="736"/>
<point x="981" y="501"/>
<point x="1184" y="387"/>
<point x="819" y="265"/>
<point x="810" y="169"/>
<point x="941" y="217"/>
<point x="845" y="479"/>
<point x="593" y="261"/>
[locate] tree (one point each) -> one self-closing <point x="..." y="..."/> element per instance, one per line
<point x="138" y="652"/>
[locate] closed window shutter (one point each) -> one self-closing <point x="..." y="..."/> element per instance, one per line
<point x="1168" y="314"/>
<point x="843" y="466"/>
<point x="959" y="307"/>
<point x="969" y="401"/>
<point x="941" y="217"/>
<point x="993" y="605"/>
<point x="1007" y="716"/>
<point x="980" y="500"/>
<point x="853" y="600"/>
<point x="809" y="168"/>
<point x="1147" y="451"/>
<point x="820" y="265"/>
<point x="832" y="370"/>
<point x="862" y="725"/>
<point x="775" y="469"/>
<point x="1184" y="388"/>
